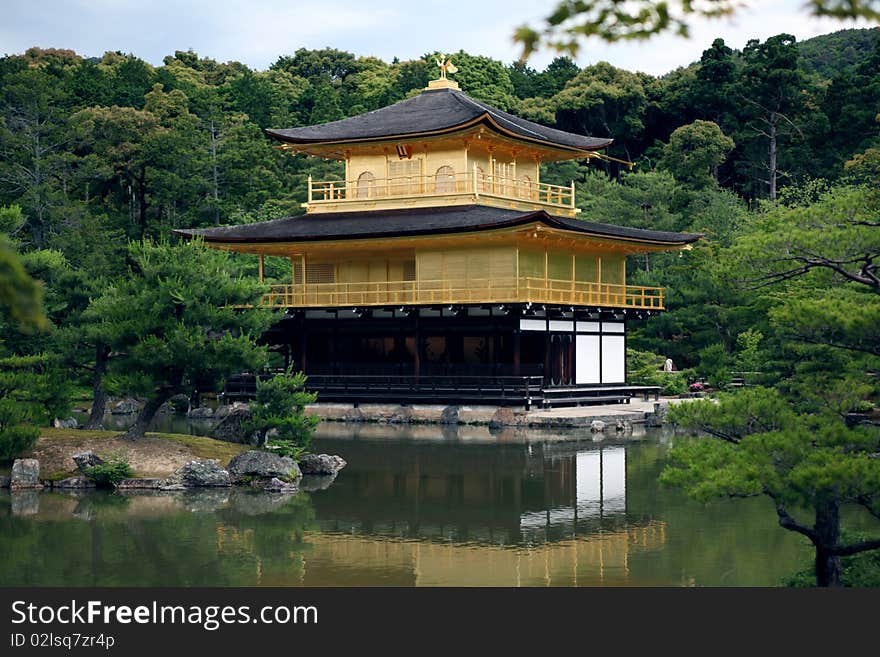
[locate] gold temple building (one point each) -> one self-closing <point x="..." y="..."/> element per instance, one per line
<point x="441" y="268"/>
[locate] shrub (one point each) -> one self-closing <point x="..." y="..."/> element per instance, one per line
<point x="111" y="472"/>
<point x="858" y="571"/>
<point x="15" y="436"/>
<point x="645" y="368"/>
<point x="714" y="365"/>
<point x="286" y="448"/>
<point x="280" y="406"/>
<point x="33" y="391"/>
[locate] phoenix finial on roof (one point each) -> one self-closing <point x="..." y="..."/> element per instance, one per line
<point x="446" y="65"/>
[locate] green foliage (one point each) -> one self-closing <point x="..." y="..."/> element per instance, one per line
<point x="857" y="571"/>
<point x="616" y="20"/>
<point x="37" y="384"/>
<point x="288" y="448"/>
<point x="279" y="407"/>
<point x="748" y="357"/>
<point x="760" y="445"/>
<point x="766" y="448"/>
<point x="864" y="168"/>
<point x="714" y="365"/>
<point x="108" y="474"/>
<point x="33" y="391"/>
<point x="16" y="436"/>
<point x="695" y="152"/>
<point x="605" y="101"/>
<point x="646" y="369"/>
<point x="19" y="293"/>
<point x="829" y="55"/>
<point x="177" y="323"/>
<point x="483" y="78"/>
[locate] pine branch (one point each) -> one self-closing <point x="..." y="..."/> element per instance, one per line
<point x="855" y="548"/>
<point x="786" y="521"/>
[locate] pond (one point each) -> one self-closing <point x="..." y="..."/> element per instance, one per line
<point x="416" y="506"/>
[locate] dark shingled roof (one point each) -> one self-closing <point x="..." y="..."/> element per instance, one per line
<point x="422" y="221"/>
<point x="432" y="111"/>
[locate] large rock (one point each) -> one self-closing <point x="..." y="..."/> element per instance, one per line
<point x="201" y="413"/>
<point x="321" y="464"/>
<point x="449" y="415"/>
<point x="25" y="474"/>
<point x="597" y="426"/>
<point x="401" y="415"/>
<point x="658" y="417"/>
<point x="87" y="459"/>
<point x="180" y="403"/>
<point x="125" y="407"/>
<point x="353" y="415"/>
<point x="225" y="409"/>
<point x="507" y="417"/>
<point x="232" y="428"/>
<point x="67" y="423"/>
<point x="263" y="465"/>
<point x="199" y="473"/>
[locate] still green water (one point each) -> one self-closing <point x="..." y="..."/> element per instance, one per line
<point x="416" y="506"/>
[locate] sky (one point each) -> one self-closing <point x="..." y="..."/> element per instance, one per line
<point x="257" y="32"/>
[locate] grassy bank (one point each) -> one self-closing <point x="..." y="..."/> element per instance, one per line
<point x="157" y="455"/>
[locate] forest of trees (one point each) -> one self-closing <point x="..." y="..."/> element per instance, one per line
<point x="772" y="152"/>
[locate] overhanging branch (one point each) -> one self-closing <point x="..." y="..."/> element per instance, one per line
<point x="856" y="548"/>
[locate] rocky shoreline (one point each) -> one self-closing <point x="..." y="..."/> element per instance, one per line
<point x="228" y="419"/>
<point x="256" y="469"/>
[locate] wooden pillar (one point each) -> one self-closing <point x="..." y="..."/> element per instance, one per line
<point x="547" y="373"/>
<point x="262" y="268"/>
<point x="304" y="345"/>
<point x="417" y="365"/>
<point x="496" y="347"/>
<point x="516" y="351"/>
<point x="333" y="339"/>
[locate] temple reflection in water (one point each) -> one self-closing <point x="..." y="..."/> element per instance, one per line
<point x="473" y="513"/>
<point x="416" y="506"/>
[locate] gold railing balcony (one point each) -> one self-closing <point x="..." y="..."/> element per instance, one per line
<point x="468" y="187"/>
<point x="429" y="292"/>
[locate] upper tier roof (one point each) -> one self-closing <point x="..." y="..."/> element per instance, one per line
<point x="434" y="111"/>
<point x="421" y="221"/>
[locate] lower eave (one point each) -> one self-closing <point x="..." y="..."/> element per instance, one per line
<point x="424" y="222"/>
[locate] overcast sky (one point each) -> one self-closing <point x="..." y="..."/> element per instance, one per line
<point x="256" y="32"/>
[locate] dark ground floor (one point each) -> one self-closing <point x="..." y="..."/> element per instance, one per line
<point x="498" y="354"/>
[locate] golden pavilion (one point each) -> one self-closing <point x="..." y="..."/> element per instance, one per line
<point x="441" y="268"/>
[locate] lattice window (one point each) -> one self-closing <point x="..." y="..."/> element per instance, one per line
<point x="320" y="272"/>
<point x="366" y="185"/>
<point x="444" y="180"/>
<point x="409" y="270"/>
<point x="559" y="266"/>
<point x="531" y="264"/>
<point x="613" y="269"/>
<point x="586" y="268"/>
<point x="481" y="180"/>
<point x="406" y="176"/>
<point x="525" y="187"/>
